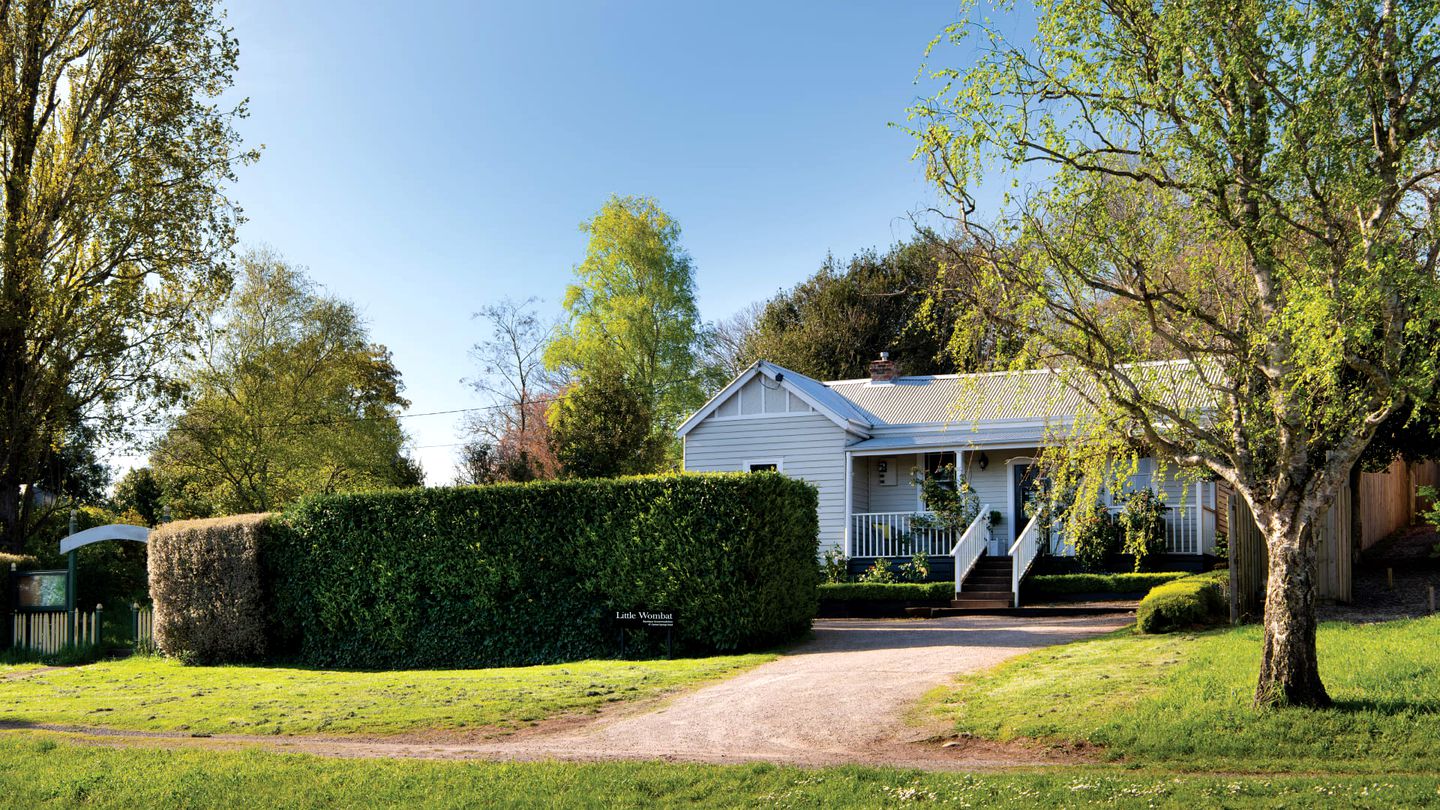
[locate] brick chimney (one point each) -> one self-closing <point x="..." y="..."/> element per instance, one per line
<point x="884" y="369"/>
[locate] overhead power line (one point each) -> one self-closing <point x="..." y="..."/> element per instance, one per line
<point x="354" y="419"/>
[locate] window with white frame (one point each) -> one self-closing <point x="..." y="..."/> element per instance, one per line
<point x="935" y="462"/>
<point x="764" y="465"/>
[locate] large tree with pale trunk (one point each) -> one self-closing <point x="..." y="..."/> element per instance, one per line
<point x="115" y="158"/>
<point x="1246" y="187"/>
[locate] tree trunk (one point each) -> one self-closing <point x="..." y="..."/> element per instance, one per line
<point x="10" y="534"/>
<point x="1289" y="666"/>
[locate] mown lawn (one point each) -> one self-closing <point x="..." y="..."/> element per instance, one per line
<point x="1183" y="701"/>
<point x="156" y="694"/>
<point x="49" y="770"/>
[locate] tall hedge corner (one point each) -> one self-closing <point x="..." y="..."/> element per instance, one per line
<point x="205" y="581"/>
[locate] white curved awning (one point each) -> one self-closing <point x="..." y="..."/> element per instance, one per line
<point x="99" y="534"/>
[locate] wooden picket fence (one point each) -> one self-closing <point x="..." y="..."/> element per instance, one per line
<point x="48" y="632"/>
<point x="144" y="626"/>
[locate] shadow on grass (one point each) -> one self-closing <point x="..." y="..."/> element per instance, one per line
<point x="1387" y="707"/>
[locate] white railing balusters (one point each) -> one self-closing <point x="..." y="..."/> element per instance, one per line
<point x="883" y="534"/>
<point x="1023" y="554"/>
<point x="970" y="546"/>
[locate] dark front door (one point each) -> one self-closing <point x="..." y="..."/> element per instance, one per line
<point x="1025" y="482"/>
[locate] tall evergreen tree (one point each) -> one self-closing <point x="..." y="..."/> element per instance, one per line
<point x="834" y="323"/>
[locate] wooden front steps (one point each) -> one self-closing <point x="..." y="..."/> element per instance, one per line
<point x="987" y="586"/>
<point x="986" y="592"/>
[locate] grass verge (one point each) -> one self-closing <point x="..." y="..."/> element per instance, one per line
<point x="39" y="769"/>
<point x="1183" y="701"/>
<point x="156" y="694"/>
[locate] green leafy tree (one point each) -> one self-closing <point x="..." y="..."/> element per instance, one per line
<point x="1247" y="188"/>
<point x="141" y="493"/>
<point x="633" y="307"/>
<point x="833" y="324"/>
<point x="603" y="426"/>
<point x="288" y="398"/>
<point x="114" y="219"/>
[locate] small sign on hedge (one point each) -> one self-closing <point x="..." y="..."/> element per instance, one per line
<point x="645" y="618"/>
<point x="642" y="619"/>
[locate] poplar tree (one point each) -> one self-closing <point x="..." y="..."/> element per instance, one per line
<point x="115" y="158"/>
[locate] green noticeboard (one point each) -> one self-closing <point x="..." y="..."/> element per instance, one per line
<point x="40" y="590"/>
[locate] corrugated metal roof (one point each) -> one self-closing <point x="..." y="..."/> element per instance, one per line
<point x="969" y="398"/>
<point x="822" y="393"/>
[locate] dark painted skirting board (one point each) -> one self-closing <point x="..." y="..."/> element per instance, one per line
<point x="1107" y="596"/>
<point x="942" y="569"/>
<point x="875" y="608"/>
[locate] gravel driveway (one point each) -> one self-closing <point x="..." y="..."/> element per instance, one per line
<point x="839" y="698"/>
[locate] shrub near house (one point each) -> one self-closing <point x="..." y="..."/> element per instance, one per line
<point x="516" y="574"/>
<point x="1192" y="601"/>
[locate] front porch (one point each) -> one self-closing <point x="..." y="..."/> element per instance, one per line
<point x="885" y="516"/>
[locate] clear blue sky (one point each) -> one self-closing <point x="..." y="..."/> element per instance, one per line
<point x="424" y="158"/>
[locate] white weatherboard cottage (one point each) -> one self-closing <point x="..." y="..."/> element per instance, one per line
<point x="864" y="443"/>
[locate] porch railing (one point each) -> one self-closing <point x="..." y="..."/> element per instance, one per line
<point x="1023" y="554"/>
<point x="893" y="534"/>
<point x="1184" y="527"/>
<point x="970" y="546"/>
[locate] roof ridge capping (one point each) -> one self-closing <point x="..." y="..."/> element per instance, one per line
<point x="1003" y="372"/>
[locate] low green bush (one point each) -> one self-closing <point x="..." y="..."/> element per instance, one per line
<point x="519" y="574"/>
<point x="205" y="581"/>
<point x="885" y="591"/>
<point x="1061" y="584"/>
<point x="1192" y="601"/>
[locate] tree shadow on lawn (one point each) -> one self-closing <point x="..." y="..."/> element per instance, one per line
<point x="1387" y="707"/>
<point x="859" y="635"/>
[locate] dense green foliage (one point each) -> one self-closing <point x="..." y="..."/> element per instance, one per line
<point x="834" y="323"/>
<point x="140" y="492"/>
<point x="1096" y="538"/>
<point x="1042" y="584"/>
<point x="1181" y="701"/>
<point x="633" y="304"/>
<point x="885" y="591"/>
<point x="150" y="693"/>
<point x="1142" y="527"/>
<point x="1182" y="604"/>
<point x="288" y="397"/>
<point x="604" y="426"/>
<point x="515" y="574"/>
<point x="115" y="225"/>
<point x="41" y="769"/>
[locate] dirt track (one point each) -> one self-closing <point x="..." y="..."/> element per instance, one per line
<point x="841" y="698"/>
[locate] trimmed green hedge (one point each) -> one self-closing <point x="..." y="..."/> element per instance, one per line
<point x="886" y="591"/>
<point x="1098" y="583"/>
<point x="518" y="574"/>
<point x="1184" y="603"/>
